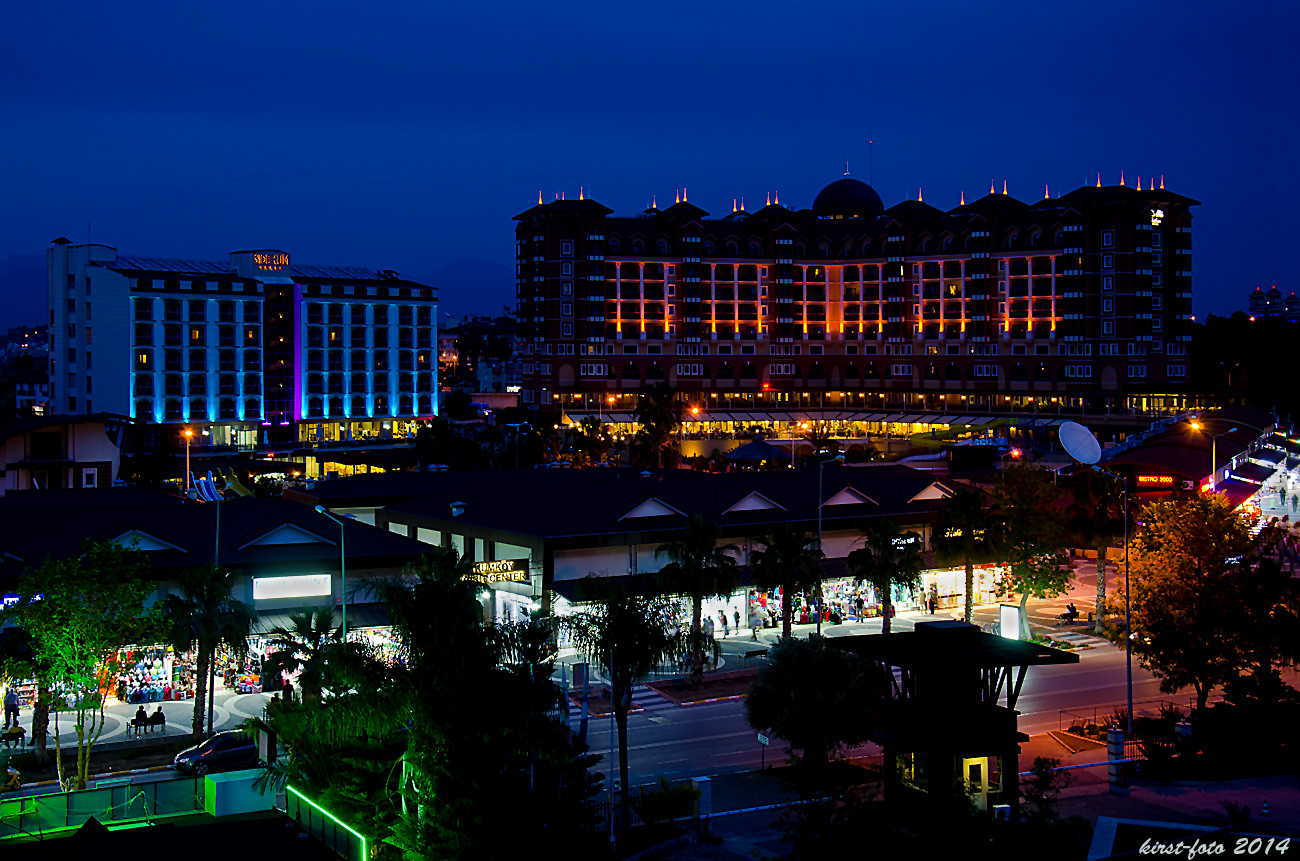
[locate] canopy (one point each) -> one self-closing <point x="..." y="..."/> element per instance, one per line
<point x="758" y="450"/>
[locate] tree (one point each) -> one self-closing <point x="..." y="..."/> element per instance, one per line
<point x="79" y="611"/>
<point x="700" y="568"/>
<point x="18" y="660"/>
<point x="204" y="615"/>
<point x="889" y="559"/>
<point x="305" y="646"/>
<point x="1190" y="585"/>
<point x="590" y="441"/>
<point x="816" y="698"/>
<point x="659" y="414"/>
<point x="789" y="561"/>
<point x="627" y="636"/>
<point x="1033" y="545"/>
<point x="966" y="534"/>
<point x="1097" y="522"/>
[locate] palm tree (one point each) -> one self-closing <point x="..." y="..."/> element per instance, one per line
<point x="660" y="414"/>
<point x="627" y="636"/>
<point x="305" y="646"/>
<point x="700" y="568"/>
<point x="889" y="558"/>
<point x="204" y="615"/>
<point x="966" y="534"/>
<point x="788" y="561"/>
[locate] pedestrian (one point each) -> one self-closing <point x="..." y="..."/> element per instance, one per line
<point x="725" y="627"/>
<point x="861" y="608"/>
<point x="11" y="707"/>
<point x="288" y="691"/>
<point x="737" y="621"/>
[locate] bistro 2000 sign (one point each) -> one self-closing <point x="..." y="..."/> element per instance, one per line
<point x="501" y="571"/>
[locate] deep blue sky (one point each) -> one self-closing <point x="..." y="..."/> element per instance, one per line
<point x="405" y="136"/>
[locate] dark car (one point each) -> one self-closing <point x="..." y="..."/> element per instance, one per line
<point x="225" y="751"/>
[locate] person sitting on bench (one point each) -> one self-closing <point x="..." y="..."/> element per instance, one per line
<point x="13" y="735"/>
<point x="141" y="720"/>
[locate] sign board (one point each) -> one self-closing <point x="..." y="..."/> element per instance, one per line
<point x="293" y="586"/>
<point x="1155" y="481"/>
<point x="1009" y="621"/>
<point x="501" y="571"/>
<point x="764" y="740"/>
<point x="270" y="261"/>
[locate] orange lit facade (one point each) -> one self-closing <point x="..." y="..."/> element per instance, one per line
<point x="1081" y="301"/>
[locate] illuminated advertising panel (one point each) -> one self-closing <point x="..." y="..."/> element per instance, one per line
<point x="293" y="586"/>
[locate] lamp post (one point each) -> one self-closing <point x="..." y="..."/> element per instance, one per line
<point x="839" y="458"/>
<point x="189" y="435"/>
<point x="1214" y="459"/>
<point x="343" y="571"/>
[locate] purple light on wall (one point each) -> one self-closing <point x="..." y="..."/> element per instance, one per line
<point x="297" y="353"/>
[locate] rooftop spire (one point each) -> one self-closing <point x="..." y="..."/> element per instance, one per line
<point x="993" y="189"/>
<point x="963" y="199"/>
<point x="580" y="193"/>
<point x="846" y="167"/>
<point x="918" y="196"/>
<point x="1099" y="180"/>
<point x="1162" y="182"/>
<point x="733" y="204"/>
<point x="1046" y="193"/>
<point x="742" y="204"/>
<point x="1004" y="186"/>
<point x="778" y="198"/>
<point x="1121" y="178"/>
<point x="677" y="195"/>
<point x="1139" y="182"/>
<point x="683" y="195"/>
<point x="769" y="198"/>
<point x="539" y="197"/>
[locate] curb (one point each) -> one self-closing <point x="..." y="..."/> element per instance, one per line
<point x="713" y="700"/>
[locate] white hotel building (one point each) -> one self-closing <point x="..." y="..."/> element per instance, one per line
<point x="253" y="348"/>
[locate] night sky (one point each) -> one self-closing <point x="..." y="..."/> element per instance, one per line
<point x="406" y="136"/>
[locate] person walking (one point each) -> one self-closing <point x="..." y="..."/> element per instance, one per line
<point x="11" y="708"/>
<point x="726" y="629"/>
<point x="737" y="621"/>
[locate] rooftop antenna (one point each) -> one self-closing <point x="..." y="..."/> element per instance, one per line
<point x="963" y="198"/>
<point x="654" y="202"/>
<point x="846" y="167"/>
<point x="1162" y="182"/>
<point x="1121" y="177"/>
<point x="580" y="193"/>
<point x="733" y="204"/>
<point x="1099" y="179"/>
<point x="871" y="162"/>
<point x="778" y="198"/>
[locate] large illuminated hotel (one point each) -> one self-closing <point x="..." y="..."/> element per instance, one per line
<point x="852" y="312"/>
<point x="252" y="349"/>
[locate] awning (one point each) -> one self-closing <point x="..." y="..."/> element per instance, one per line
<point x="893" y="417"/>
<point x="1269" y="456"/>
<point x="369" y="615"/>
<point x="873" y="417"/>
<point x="1237" y="491"/>
<point x="1292" y="462"/>
<point x="1253" y="472"/>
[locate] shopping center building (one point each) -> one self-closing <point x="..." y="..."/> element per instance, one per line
<point x="284" y="556"/>
<point x="251" y="350"/>
<point x="862" y="318"/>
<point x="548" y="530"/>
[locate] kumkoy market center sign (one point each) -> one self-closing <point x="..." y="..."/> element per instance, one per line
<point x="501" y="571"/>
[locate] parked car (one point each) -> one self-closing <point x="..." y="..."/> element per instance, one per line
<point x="225" y="751"/>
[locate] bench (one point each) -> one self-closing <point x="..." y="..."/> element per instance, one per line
<point x="149" y="723"/>
<point x="756" y="653"/>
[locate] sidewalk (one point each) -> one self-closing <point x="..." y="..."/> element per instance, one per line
<point x="231" y="710"/>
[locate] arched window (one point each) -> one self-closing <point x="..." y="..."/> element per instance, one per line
<point x="638" y="247"/>
<point x="662" y="246"/>
<point x="800" y="251"/>
<point x="630" y="372"/>
<point x="754" y="250"/>
<point x="749" y="372"/>
<point x="336" y="406"/>
<point x="613" y="246"/>
<point x="654" y="372"/>
<point x="732" y="251"/>
<point x="953" y="373"/>
<point x="725" y="372"/>
<point x="406" y="406"/>
<point x="708" y="249"/>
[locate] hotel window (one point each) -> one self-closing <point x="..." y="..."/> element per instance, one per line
<point x="567" y="330"/>
<point x="172" y="309"/>
<point x="226" y="384"/>
<point x="251" y="337"/>
<point x="567" y="310"/>
<point x="1108" y="306"/>
<point x="252" y="360"/>
<point x="197" y="335"/>
<point x="173" y="360"/>
<point x="1157" y="324"/>
<point x="566" y="288"/>
<point x="1108" y="239"/>
<point x="226" y="312"/>
<point x="226" y="360"/>
<point x="1157" y="280"/>
<point x="198" y="360"/>
<point x="1108" y="261"/>
<point x="1156" y="258"/>
<point x="1108" y="282"/>
<point x="144" y="360"/>
<point x="358" y="315"/>
<point x="174" y="385"/>
<point x="566" y="247"/>
<point x="144" y="309"/>
<point x="252" y="385"/>
<point x="336" y="314"/>
<point x="1156" y="301"/>
<point x="566" y="268"/>
<point x="198" y="384"/>
<point x="1108" y="327"/>
<point x="314" y="316"/>
<point x="144" y="334"/>
<point x="225" y="336"/>
<point x="252" y="312"/>
<point x="198" y="310"/>
<point x="144" y="384"/>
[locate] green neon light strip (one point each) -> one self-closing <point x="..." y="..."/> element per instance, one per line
<point x="348" y="828"/>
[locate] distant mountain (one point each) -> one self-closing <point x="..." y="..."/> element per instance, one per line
<point x="474" y="287"/>
<point x="22" y="291"/>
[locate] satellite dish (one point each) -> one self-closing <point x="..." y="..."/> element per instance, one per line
<point x="1079" y="443"/>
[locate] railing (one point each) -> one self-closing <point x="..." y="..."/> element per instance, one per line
<point x="109" y="801"/>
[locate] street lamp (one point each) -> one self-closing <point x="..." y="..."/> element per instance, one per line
<point x="839" y="458"/>
<point x="1214" y="460"/>
<point x="343" y="571"/>
<point x="1081" y="445"/>
<point x="189" y="435"/>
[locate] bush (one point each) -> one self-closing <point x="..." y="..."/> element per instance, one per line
<point x="668" y="803"/>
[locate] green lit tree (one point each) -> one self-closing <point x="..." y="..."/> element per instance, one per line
<point x="204" y="615"/>
<point x="79" y="611"/>
<point x="1034" y="537"/>
<point x="700" y="568"/>
<point x="888" y="559"/>
<point x="967" y="533"/>
<point x="789" y="561"/>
